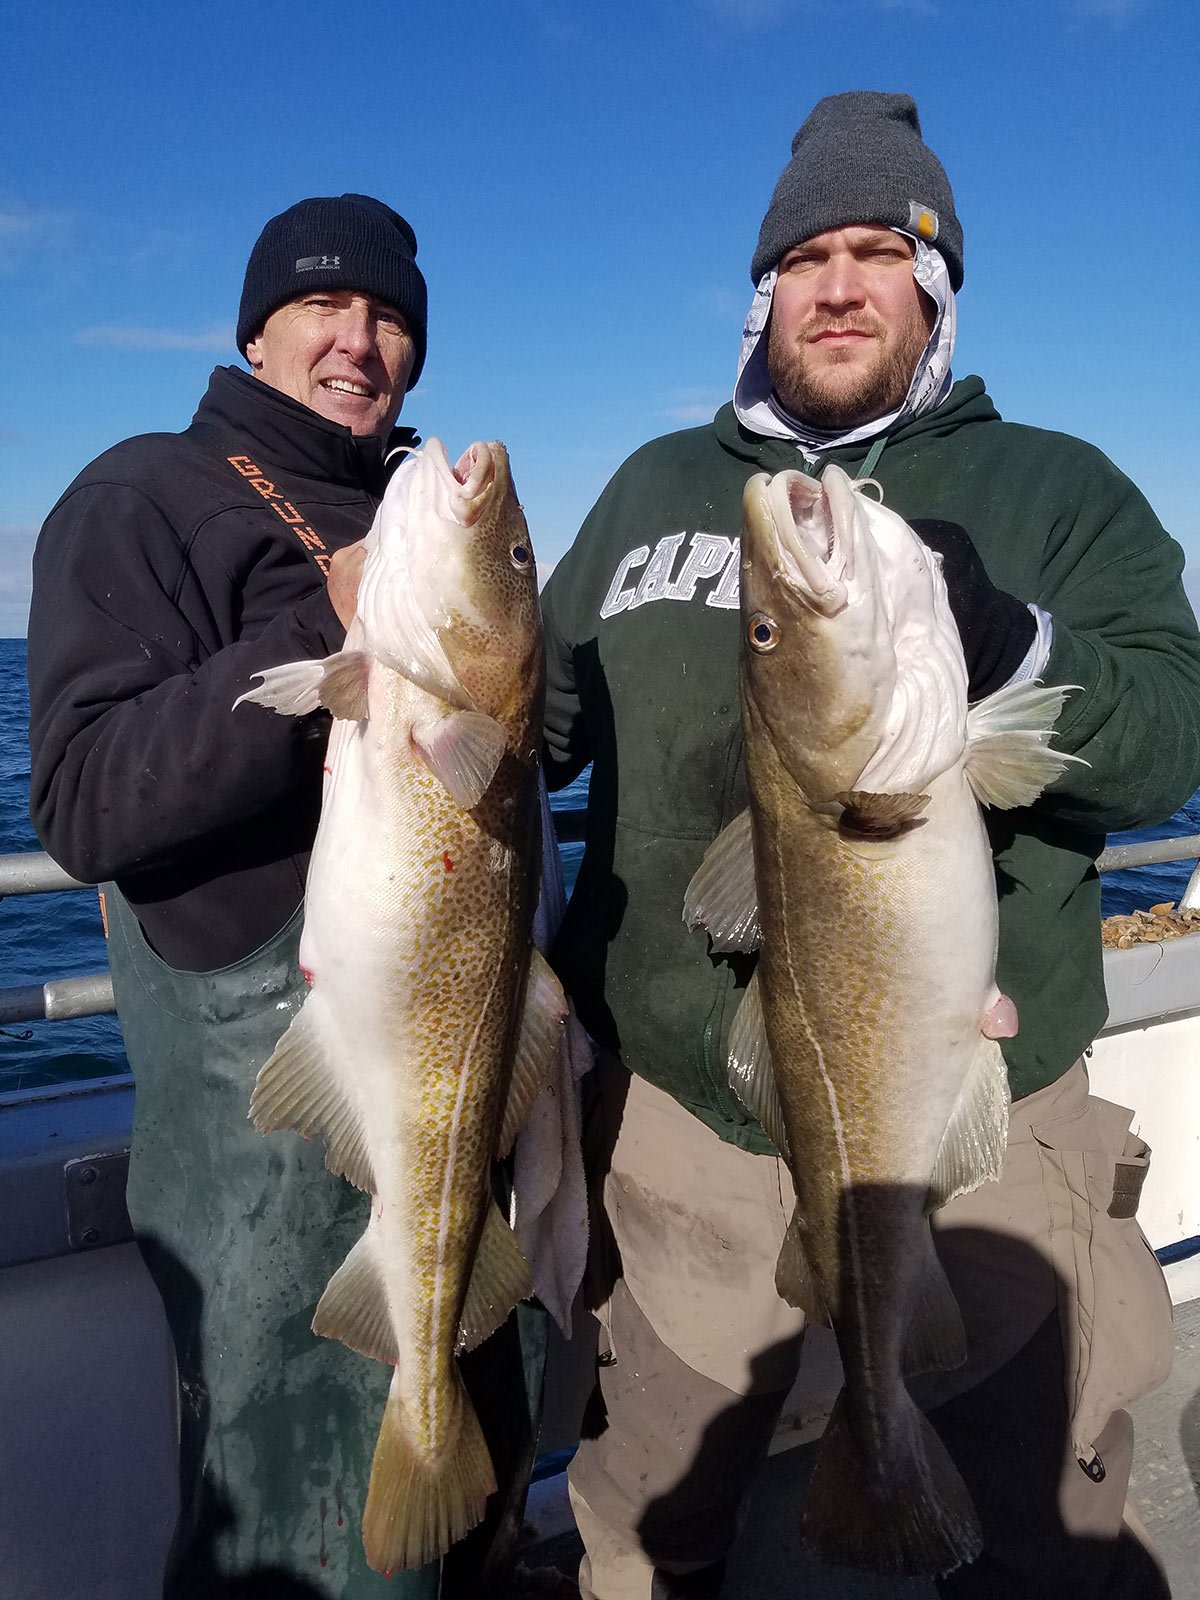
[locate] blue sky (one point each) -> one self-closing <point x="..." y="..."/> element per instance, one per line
<point x="586" y="182"/>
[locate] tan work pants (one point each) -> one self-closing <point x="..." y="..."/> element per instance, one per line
<point x="1067" y="1315"/>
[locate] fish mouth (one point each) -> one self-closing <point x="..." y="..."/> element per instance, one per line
<point x="795" y="518"/>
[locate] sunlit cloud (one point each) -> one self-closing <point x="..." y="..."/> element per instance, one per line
<point x="727" y="305"/>
<point x="754" y="15"/>
<point x="1114" y="11"/>
<point x="16" y="555"/>
<point x="115" y="336"/>
<point x="693" y="405"/>
<point x="29" y="232"/>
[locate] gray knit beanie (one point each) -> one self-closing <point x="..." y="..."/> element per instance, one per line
<point x="860" y="157"/>
<point x="347" y="241"/>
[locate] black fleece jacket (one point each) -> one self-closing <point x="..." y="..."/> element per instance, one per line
<point x="174" y="567"/>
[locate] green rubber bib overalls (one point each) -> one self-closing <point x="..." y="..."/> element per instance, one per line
<point x="241" y="1232"/>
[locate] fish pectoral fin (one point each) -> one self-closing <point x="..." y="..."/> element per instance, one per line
<point x="722" y="897"/>
<point x="878" y="816"/>
<point x="539" y="1033"/>
<point x="354" y="1306"/>
<point x="419" y="1504"/>
<point x="299" y="1088"/>
<point x="794" y="1278"/>
<point x="935" y="1340"/>
<point x="292" y="690"/>
<point x="972" y="1148"/>
<point x="344" y="686"/>
<point x="1009" y="759"/>
<point x="499" y="1279"/>
<point x="463" y="750"/>
<point x="751" y="1071"/>
<point x="339" y="683"/>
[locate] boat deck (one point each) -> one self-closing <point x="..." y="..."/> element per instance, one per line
<point x="769" y="1563"/>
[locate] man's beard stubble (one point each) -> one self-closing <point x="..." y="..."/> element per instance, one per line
<point x="811" y="397"/>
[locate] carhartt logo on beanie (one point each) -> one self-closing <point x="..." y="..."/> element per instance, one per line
<point x="860" y="157"/>
<point x="347" y="241"/>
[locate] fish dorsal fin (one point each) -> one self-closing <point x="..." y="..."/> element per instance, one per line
<point x="751" y="1072"/>
<point x="539" y="1034"/>
<point x="300" y="1089"/>
<point x="354" y="1306"/>
<point x="794" y="1278"/>
<point x="972" y="1148"/>
<point x="499" y="1279"/>
<point x="463" y="750"/>
<point x="339" y="683"/>
<point x="878" y="816"/>
<point x="935" y="1340"/>
<point x="1009" y="759"/>
<point x="722" y="896"/>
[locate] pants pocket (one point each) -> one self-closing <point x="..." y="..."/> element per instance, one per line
<point x="1114" y="1308"/>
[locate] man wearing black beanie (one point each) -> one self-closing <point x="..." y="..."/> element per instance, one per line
<point x="1056" y="568"/>
<point x="172" y="569"/>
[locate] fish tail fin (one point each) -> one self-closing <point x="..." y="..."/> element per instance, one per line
<point x="902" y="1510"/>
<point x="417" y="1505"/>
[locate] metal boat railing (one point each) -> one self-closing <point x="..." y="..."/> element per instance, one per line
<point x="33" y="872"/>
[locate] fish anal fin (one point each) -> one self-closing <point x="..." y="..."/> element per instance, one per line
<point x="299" y="1089"/>
<point x="904" y="1511"/>
<point x="500" y="1278"/>
<point x="879" y="816"/>
<point x="418" y="1506"/>
<point x="354" y="1306"/>
<point x="935" y="1340"/>
<point x="794" y="1278"/>
<point x="539" y="1034"/>
<point x="463" y="750"/>
<point x="722" y="896"/>
<point x="751" y="1072"/>
<point x="1009" y="759"/>
<point x="972" y="1148"/>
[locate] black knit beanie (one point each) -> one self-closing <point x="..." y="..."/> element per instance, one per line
<point x="345" y="241"/>
<point x="860" y="157"/>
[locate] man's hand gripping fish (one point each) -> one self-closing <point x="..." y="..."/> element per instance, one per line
<point x="866" y="1043"/>
<point x="431" y="1022"/>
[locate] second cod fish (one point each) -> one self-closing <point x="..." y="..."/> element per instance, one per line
<point x="431" y="1022"/>
<point x="866" y="1042"/>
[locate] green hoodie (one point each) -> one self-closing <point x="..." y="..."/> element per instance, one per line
<point x="642" y="641"/>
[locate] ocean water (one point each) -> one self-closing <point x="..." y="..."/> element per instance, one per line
<point x="60" y="935"/>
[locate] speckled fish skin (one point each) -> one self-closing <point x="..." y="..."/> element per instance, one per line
<point x="877" y="966"/>
<point x="417" y="939"/>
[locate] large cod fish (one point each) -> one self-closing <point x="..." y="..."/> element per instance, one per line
<point x="431" y="1022"/>
<point x="866" y="1042"/>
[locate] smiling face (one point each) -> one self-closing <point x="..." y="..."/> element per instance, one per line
<point x="848" y="326"/>
<point x="344" y="355"/>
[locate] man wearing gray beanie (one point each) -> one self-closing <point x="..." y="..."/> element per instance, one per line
<point x="172" y="569"/>
<point x="1056" y="568"/>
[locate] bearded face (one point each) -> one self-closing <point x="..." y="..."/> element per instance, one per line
<point x="848" y="326"/>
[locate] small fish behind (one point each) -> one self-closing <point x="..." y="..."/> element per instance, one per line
<point x="866" y="1043"/>
<point x="431" y="1023"/>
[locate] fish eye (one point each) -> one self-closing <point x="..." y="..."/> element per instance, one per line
<point x="762" y="633"/>
<point x="520" y="556"/>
